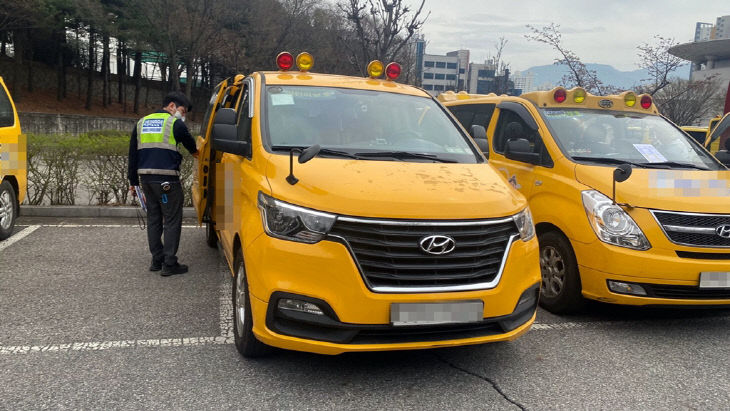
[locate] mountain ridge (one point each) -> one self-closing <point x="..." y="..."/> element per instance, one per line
<point x="549" y="75"/>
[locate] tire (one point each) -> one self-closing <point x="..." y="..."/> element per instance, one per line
<point x="8" y="210"/>
<point x="246" y="342"/>
<point x="560" y="292"/>
<point x="210" y="236"/>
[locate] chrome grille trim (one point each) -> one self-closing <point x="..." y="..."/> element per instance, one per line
<point x="508" y="239"/>
<point x="687" y="229"/>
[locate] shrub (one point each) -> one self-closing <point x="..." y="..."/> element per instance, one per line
<point x="53" y="169"/>
<point x="63" y="169"/>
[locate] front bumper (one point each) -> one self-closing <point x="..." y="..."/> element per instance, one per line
<point x="326" y="272"/>
<point x="668" y="278"/>
<point x="328" y="335"/>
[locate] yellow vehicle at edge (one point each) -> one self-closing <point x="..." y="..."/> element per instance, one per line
<point x="356" y="215"/>
<point x="627" y="208"/>
<point x="13" y="173"/>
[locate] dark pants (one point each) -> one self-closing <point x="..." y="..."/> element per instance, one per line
<point x="164" y="216"/>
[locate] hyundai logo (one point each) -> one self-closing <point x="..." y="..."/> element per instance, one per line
<point x="723" y="231"/>
<point x="441" y="244"/>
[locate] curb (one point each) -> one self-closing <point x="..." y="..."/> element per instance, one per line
<point x="89" y="211"/>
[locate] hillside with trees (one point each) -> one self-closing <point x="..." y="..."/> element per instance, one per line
<point x="84" y="54"/>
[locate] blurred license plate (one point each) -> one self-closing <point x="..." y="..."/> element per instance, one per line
<point x="436" y="313"/>
<point x="715" y="279"/>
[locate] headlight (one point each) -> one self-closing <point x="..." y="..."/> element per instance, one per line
<point x="523" y="219"/>
<point x="290" y="222"/>
<point x="611" y="223"/>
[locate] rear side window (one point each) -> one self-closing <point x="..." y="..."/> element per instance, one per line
<point x="7" y="117"/>
<point x="470" y="114"/>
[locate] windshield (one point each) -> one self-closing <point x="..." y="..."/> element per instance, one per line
<point x="610" y="136"/>
<point x="364" y="123"/>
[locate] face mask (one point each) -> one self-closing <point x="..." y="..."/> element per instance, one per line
<point x="178" y="115"/>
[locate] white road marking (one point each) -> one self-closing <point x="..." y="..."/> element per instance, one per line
<point x="97" y="226"/>
<point x="18" y="236"/>
<point x="562" y="326"/>
<point x="226" y="303"/>
<point x="106" y="345"/>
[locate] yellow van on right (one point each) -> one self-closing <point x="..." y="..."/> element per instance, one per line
<point x="628" y="208"/>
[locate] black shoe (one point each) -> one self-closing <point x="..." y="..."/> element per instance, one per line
<point x="155" y="265"/>
<point x="168" y="270"/>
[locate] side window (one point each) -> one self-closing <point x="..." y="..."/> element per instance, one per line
<point x="208" y="113"/>
<point x="7" y="117"/>
<point x="470" y="114"/>
<point x="244" y="122"/>
<point x="533" y="137"/>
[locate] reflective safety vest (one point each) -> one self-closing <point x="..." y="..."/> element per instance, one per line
<point x="157" y="151"/>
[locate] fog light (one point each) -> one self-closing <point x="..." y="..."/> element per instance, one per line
<point x="299" y="306"/>
<point x="626" y="288"/>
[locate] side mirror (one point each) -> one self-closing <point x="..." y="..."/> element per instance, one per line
<point x="479" y="134"/>
<point x="225" y="134"/>
<point x="520" y="150"/>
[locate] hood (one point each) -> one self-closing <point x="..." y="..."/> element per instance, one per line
<point x="395" y="189"/>
<point x="676" y="190"/>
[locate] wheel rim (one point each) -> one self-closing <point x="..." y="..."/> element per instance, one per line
<point x="552" y="267"/>
<point x="6" y="210"/>
<point x="240" y="300"/>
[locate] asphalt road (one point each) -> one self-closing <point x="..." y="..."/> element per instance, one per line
<point x="84" y="325"/>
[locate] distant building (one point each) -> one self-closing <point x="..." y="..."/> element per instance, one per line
<point x="722" y="28"/>
<point x="703" y="31"/>
<point x="440" y="73"/>
<point x="709" y="56"/>
<point x="454" y="72"/>
<point x="524" y="82"/>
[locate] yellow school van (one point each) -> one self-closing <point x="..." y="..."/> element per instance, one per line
<point x="628" y="209"/>
<point x="13" y="174"/>
<point x="356" y="215"/>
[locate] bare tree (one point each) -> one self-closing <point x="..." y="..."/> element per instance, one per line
<point x="689" y="102"/>
<point x="578" y="74"/>
<point x="658" y="62"/>
<point x="380" y="29"/>
<point x="501" y="68"/>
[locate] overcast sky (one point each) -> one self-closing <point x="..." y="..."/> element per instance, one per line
<point x="604" y="32"/>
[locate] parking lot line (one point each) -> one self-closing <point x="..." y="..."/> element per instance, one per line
<point x="18" y="236"/>
<point x="95" y="225"/>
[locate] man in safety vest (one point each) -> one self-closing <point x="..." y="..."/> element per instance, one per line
<point x="154" y="161"/>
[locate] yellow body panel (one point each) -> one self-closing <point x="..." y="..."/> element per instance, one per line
<point x="554" y="195"/>
<point x="13" y="152"/>
<point x="369" y="189"/>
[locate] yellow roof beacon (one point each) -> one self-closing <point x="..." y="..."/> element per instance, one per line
<point x="13" y="172"/>
<point x="628" y="209"/>
<point x="355" y="214"/>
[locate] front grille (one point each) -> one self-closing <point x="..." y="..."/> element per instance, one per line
<point x="685" y="292"/>
<point x="679" y="228"/>
<point x="390" y="258"/>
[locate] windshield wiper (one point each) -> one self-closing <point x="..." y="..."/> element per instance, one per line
<point x="661" y="165"/>
<point x="677" y="164"/>
<point x="403" y="155"/>
<point x="608" y="160"/>
<point x="321" y="151"/>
